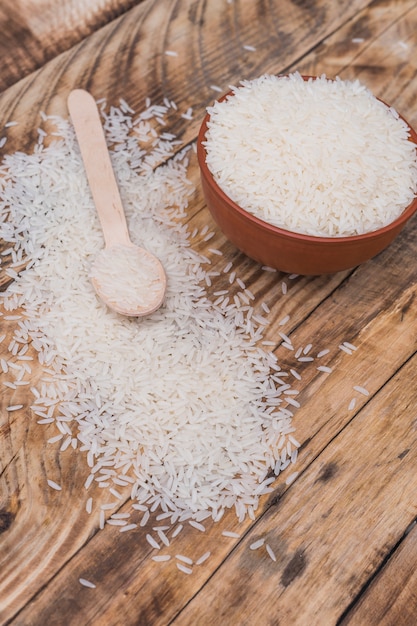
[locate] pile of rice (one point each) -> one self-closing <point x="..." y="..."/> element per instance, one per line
<point x="320" y="157"/>
<point x="128" y="279"/>
<point x="183" y="408"/>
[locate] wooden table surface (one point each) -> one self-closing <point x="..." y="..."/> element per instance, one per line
<point x="344" y="531"/>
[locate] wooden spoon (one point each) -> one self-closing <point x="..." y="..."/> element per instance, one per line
<point x="129" y="279"/>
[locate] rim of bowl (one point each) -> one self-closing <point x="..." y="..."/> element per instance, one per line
<point x="201" y="155"/>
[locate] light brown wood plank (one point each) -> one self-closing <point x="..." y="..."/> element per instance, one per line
<point x="119" y="49"/>
<point x="70" y="540"/>
<point x="33" y="33"/>
<point x="330" y="530"/>
<point x="323" y="414"/>
<point x="391" y="598"/>
<point x="377" y="48"/>
<point x="126" y="59"/>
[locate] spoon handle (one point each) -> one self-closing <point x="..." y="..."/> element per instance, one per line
<point x="90" y="135"/>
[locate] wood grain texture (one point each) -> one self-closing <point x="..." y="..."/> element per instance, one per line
<point x="377" y="48"/>
<point x="391" y="597"/>
<point x="334" y="527"/>
<point x="127" y="58"/>
<point x="320" y="566"/>
<point x="33" y="33"/>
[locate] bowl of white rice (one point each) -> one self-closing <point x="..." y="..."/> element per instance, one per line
<point x="307" y="175"/>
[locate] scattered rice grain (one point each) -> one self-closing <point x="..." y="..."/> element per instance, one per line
<point x="161" y="557"/>
<point x="203" y="558"/>
<point x="152" y="542"/>
<point x="270" y="551"/>
<point x="257" y="544"/>
<point x="86" y="583"/>
<point x="54" y="485"/>
<point x="184" y="569"/>
<point x="197" y="525"/>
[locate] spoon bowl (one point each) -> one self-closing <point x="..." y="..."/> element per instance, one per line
<point x="141" y="293"/>
<point x="128" y="278"/>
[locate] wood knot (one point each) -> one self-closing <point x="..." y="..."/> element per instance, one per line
<point x="403" y="453"/>
<point x="327" y="472"/>
<point x="276" y="495"/>
<point x="6" y="520"/>
<point x="294" y="568"/>
<point x="406" y="307"/>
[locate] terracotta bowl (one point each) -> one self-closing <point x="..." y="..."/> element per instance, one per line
<point x="286" y="250"/>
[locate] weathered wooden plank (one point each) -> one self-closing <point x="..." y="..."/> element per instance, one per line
<point x="33" y="33"/>
<point x="324" y="400"/>
<point x="130" y="585"/>
<point x="321" y="416"/>
<point x="378" y="49"/>
<point x="391" y="598"/>
<point x="127" y="58"/>
<point x="144" y="34"/>
<point x="53" y="537"/>
<point x="330" y="530"/>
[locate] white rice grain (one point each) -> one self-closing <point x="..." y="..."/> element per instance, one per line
<point x="345" y="349"/>
<point x="177" y="530"/>
<point x="352" y="404"/>
<point x="116" y="522"/>
<point x="161" y="557"/>
<point x="128" y="527"/>
<point x="152" y="542"/>
<point x="86" y="583"/>
<point x="184" y="559"/>
<point x="54" y="485"/>
<point x="322" y="353"/>
<point x="257" y="544"/>
<point x="270" y="552"/>
<point x="349" y="345"/>
<point x="203" y="558"/>
<point x="184" y="569"/>
<point x="197" y="525"/>
<point x="290" y="479"/>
